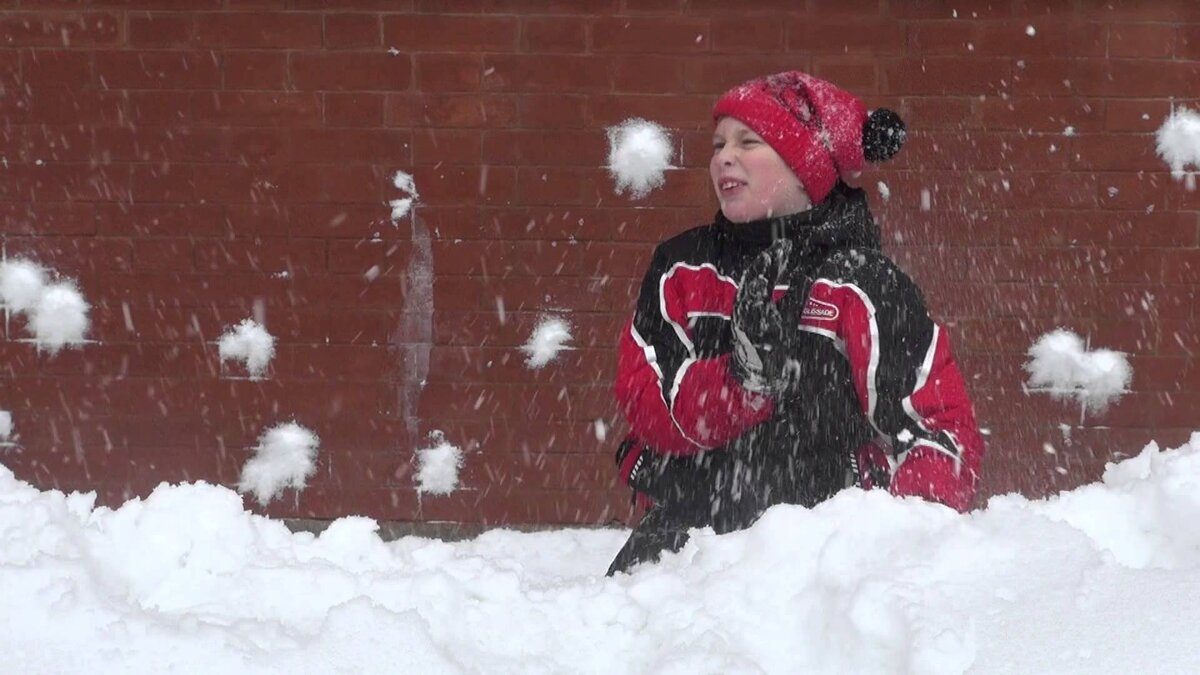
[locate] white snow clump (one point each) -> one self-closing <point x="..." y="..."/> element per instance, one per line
<point x="285" y="457"/>
<point x="401" y="207"/>
<point x="639" y="151"/>
<point x="438" y="465"/>
<point x="1061" y="365"/>
<point x="57" y="312"/>
<point x="6" y="425"/>
<point x="59" y="317"/>
<point x="21" y="282"/>
<point x="548" y="339"/>
<point x="249" y="343"/>
<point x="1179" y="141"/>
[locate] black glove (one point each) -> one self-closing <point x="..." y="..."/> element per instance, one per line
<point x="760" y="353"/>
<point x="667" y="481"/>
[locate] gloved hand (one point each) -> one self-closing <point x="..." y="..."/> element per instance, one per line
<point x="661" y="479"/>
<point x="760" y="354"/>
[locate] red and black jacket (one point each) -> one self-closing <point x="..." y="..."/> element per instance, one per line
<point x="880" y="400"/>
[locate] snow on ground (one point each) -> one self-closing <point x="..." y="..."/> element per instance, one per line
<point x="549" y="338"/>
<point x="438" y="465"/>
<point x="639" y="151"/>
<point x="1098" y="580"/>
<point x="286" y="455"/>
<point x="249" y="343"/>
<point x="1062" y="366"/>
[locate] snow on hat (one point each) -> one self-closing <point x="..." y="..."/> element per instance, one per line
<point x="821" y="132"/>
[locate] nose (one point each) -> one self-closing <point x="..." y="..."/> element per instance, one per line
<point x="725" y="155"/>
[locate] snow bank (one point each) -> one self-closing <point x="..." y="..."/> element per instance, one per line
<point x="286" y="455"/>
<point x="249" y="343"/>
<point x="1060" y="365"/>
<point x="549" y="338"/>
<point x="438" y="465"/>
<point x="639" y="152"/>
<point x="1098" y="580"/>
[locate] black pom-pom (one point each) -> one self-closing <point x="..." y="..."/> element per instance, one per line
<point x="883" y="134"/>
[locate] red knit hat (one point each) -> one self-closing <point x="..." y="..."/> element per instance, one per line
<point x="821" y="132"/>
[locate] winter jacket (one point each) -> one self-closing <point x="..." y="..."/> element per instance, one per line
<point x="879" y="400"/>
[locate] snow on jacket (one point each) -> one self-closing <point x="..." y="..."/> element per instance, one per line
<point x="880" y="401"/>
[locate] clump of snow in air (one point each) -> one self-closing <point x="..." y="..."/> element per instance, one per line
<point x="438" y="465"/>
<point x="286" y="455"/>
<point x="549" y="338"/>
<point x="1179" y="141"/>
<point x="885" y="192"/>
<point x="639" y="151"/>
<point x="400" y="207"/>
<point x="1030" y="31"/>
<point x="6" y="425"/>
<point x="249" y="343"/>
<point x="59" y="317"/>
<point x="187" y="581"/>
<point x="57" y="312"/>
<point x="21" y="283"/>
<point x="1061" y="365"/>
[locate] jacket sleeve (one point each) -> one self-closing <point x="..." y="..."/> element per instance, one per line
<point x="907" y="382"/>
<point x="674" y="401"/>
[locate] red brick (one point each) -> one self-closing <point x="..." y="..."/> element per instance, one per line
<point x="451" y="185"/>
<point x="645" y="74"/>
<point x="852" y="73"/>
<point x="1141" y="40"/>
<point x="90" y="29"/>
<point x="256" y="109"/>
<point x="553" y="111"/>
<point x="715" y="74"/>
<point x="254" y="70"/>
<point x="351" y="71"/>
<point x="1047" y="115"/>
<point x="258" y="30"/>
<point x="1188" y="41"/>
<point x="47" y="219"/>
<point x="447" y="146"/>
<point x="1149" y="78"/>
<point x="648" y="35"/>
<point x="159" y="107"/>
<point x="450" y="33"/>
<point x="553" y="34"/>
<point x="451" y="110"/>
<point x="270" y="256"/>
<point x="67" y="106"/>
<point x="542" y="148"/>
<point x="352" y="31"/>
<point x="328" y="146"/>
<point x="353" y="109"/>
<point x="1135" y="115"/>
<point x="541" y="73"/>
<point x="341" y="220"/>
<point x="162" y="31"/>
<point x="977" y="76"/>
<point x="163" y="254"/>
<point x="682" y="111"/>
<point x="448" y="72"/>
<point x="65" y="68"/>
<point x="158" y="70"/>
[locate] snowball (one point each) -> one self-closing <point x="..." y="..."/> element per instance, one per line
<point x="401" y="207"/>
<point x="1179" y="141"/>
<point x="639" y="152"/>
<point x="885" y="192"/>
<point x="1062" y="366"/>
<point x="21" y="282"/>
<point x="285" y="457"/>
<point x="59" y="317"/>
<point x="438" y="465"/>
<point x="6" y="425"/>
<point x="249" y="343"/>
<point x="549" y="338"/>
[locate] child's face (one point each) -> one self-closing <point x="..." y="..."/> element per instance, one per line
<point x="751" y="179"/>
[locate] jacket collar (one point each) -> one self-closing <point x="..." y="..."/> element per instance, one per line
<point x="843" y="220"/>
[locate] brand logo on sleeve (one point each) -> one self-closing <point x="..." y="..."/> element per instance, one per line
<point x="819" y="310"/>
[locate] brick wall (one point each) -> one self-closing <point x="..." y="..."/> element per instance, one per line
<point x="196" y="162"/>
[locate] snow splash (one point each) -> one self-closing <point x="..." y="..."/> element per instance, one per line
<point x="285" y="457"/>
<point x="1061" y="366"/>
<point x="56" y="313"/>
<point x="639" y="152"/>
<point x="438" y="465"/>
<point x="549" y="338"/>
<point x="249" y="343"/>
<point x="1179" y="142"/>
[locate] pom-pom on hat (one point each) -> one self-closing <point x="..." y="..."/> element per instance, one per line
<point x="821" y="131"/>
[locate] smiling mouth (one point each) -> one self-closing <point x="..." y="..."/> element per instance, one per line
<point x="729" y="185"/>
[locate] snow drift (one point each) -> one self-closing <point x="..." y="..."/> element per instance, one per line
<point x="1097" y="580"/>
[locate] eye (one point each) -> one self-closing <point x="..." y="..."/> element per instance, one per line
<point x="717" y="145"/>
<point x="750" y="141"/>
